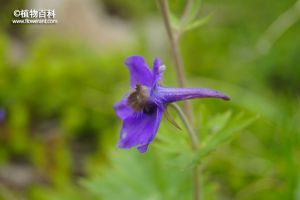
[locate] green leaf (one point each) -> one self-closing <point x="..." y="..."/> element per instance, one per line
<point x="195" y="10"/>
<point x="219" y="122"/>
<point x="213" y="141"/>
<point x="174" y="21"/>
<point x="129" y="168"/>
<point x="197" y="23"/>
<point x="190" y="22"/>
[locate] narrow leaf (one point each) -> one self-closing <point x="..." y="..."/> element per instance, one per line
<point x="196" y="23"/>
<point x="195" y="10"/>
<point x="174" y="21"/>
<point x="170" y="119"/>
<point x="215" y="140"/>
<point x="219" y="122"/>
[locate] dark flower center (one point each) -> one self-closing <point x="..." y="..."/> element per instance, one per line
<point x="140" y="100"/>
<point x="149" y="108"/>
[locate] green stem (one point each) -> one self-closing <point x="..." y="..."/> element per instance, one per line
<point x="174" y="40"/>
<point x="175" y="54"/>
<point x="192" y="133"/>
<point x="195" y="146"/>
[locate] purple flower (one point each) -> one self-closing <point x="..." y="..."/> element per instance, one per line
<point x="2" y="114"/>
<point x="142" y="108"/>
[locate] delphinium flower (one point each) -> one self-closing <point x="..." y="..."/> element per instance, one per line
<point x="142" y="108"/>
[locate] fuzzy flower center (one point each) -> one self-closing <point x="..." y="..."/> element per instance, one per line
<point x="139" y="100"/>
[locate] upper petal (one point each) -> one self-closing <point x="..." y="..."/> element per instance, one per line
<point x="157" y="70"/>
<point x="139" y="71"/>
<point x="169" y="95"/>
<point x="140" y="129"/>
<point x="122" y="109"/>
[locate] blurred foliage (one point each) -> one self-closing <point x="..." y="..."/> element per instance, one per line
<point x="60" y="122"/>
<point x="140" y="177"/>
<point x="58" y="104"/>
<point x="131" y="10"/>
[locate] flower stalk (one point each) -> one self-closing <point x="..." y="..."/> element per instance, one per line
<point x="195" y="146"/>
<point x="174" y="39"/>
<point x="192" y="133"/>
<point x="142" y="108"/>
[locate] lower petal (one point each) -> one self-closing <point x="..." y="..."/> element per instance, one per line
<point x="143" y="148"/>
<point x="139" y="130"/>
<point x="122" y="109"/>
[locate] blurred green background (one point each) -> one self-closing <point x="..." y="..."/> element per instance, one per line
<point x="58" y="83"/>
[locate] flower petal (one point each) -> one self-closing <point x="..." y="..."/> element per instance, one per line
<point x="139" y="71"/>
<point x="140" y="129"/>
<point x="169" y="95"/>
<point x="2" y="114"/>
<point x="157" y="70"/>
<point x="143" y="148"/>
<point x="122" y="109"/>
